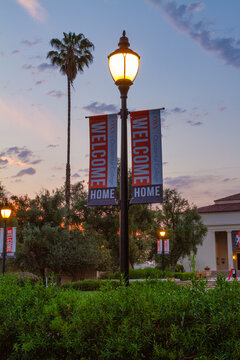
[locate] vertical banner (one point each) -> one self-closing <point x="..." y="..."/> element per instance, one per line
<point x="147" y="184"/>
<point x="11" y="242"/>
<point x="166" y="246"/>
<point x="235" y="240"/>
<point x="103" y="160"/>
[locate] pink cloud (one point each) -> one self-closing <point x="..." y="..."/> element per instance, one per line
<point x="34" y="9"/>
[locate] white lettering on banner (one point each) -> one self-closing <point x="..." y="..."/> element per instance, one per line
<point x="98" y="159"/>
<point x="10" y="240"/>
<point x="100" y="194"/>
<point x="95" y="152"/>
<point x="99" y="127"/>
<point x="144" y="191"/>
<point x="140" y="144"/>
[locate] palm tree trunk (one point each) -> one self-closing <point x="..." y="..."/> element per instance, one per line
<point x="68" y="170"/>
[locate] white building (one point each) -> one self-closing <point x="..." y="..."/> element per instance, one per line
<point x="220" y="250"/>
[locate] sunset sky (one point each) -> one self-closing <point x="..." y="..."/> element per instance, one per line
<point x="190" y="64"/>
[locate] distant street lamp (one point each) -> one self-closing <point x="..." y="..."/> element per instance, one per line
<point x="162" y="234"/>
<point x="123" y="65"/>
<point x="5" y="215"/>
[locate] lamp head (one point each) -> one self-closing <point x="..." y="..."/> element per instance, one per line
<point x="162" y="233"/>
<point x="123" y="63"/>
<point x="6" y="213"/>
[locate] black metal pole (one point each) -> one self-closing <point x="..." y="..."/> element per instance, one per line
<point x="163" y="264"/>
<point x="4" y="246"/>
<point x="124" y="251"/>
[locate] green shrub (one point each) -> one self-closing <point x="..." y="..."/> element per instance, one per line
<point x="145" y="273"/>
<point x="150" y="273"/>
<point x="184" y="276"/>
<point x="90" y="285"/>
<point x="154" y="320"/>
<point x="179" y="268"/>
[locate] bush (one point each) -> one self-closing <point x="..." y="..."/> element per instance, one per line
<point x="179" y="268"/>
<point x="150" y="273"/>
<point x="90" y="285"/>
<point x="184" y="276"/>
<point x="151" y="321"/>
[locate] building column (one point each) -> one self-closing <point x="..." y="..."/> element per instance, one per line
<point x="230" y="251"/>
<point x="213" y="264"/>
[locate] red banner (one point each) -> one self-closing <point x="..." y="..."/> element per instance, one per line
<point x="11" y="241"/>
<point x="146" y="157"/>
<point x="103" y="160"/>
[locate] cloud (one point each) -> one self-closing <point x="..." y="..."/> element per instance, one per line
<point x="83" y="170"/>
<point x="45" y="66"/>
<point x="56" y="93"/>
<point x="31" y="43"/>
<point x="76" y="175"/>
<point x="28" y="171"/>
<point x="34" y="9"/>
<point x="223" y="108"/>
<point x="15" y="52"/>
<point x="178" y="110"/>
<point x="27" y="67"/>
<point x="100" y="108"/>
<point x="21" y="119"/>
<point x="35" y="162"/>
<point x="3" y="162"/>
<point x="52" y="145"/>
<point x="229" y="179"/>
<point x="20" y="156"/>
<point x="40" y="82"/>
<point x="188" y="181"/>
<point x="193" y="123"/>
<point x="181" y="16"/>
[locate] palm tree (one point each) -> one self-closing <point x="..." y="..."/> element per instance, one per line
<point x="71" y="55"/>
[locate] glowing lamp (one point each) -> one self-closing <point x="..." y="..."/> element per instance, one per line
<point x="234" y="257"/>
<point x="6" y="213"/>
<point x="162" y="233"/>
<point x="123" y="63"/>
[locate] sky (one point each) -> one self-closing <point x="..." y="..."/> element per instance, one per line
<point x="189" y="64"/>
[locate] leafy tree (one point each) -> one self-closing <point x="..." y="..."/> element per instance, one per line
<point x="34" y="250"/>
<point x="183" y="226"/>
<point x="45" y="208"/>
<point x="71" y="55"/>
<point x="76" y="251"/>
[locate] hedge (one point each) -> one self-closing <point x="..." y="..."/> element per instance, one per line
<point x="150" y="273"/>
<point x="154" y="321"/>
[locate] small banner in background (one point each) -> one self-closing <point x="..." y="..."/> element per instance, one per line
<point x="166" y="246"/>
<point x="235" y="240"/>
<point x="147" y="184"/>
<point x="11" y="242"/>
<point x="103" y="160"/>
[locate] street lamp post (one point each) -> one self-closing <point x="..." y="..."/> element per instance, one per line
<point x="123" y="65"/>
<point x="5" y="215"/>
<point x="162" y="234"/>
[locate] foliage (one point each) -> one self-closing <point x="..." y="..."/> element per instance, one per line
<point x="91" y="285"/>
<point x="179" y="268"/>
<point x="60" y="250"/>
<point x="76" y="251"/>
<point x="192" y="259"/>
<point x="71" y="55"/>
<point x="183" y="226"/>
<point x="144" y="321"/>
<point x="150" y="273"/>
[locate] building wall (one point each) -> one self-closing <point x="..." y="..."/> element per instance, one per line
<point x="206" y="254"/>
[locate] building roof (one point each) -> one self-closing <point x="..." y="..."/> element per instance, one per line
<point x="227" y="204"/>
<point x="219" y="208"/>
<point x="231" y="198"/>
